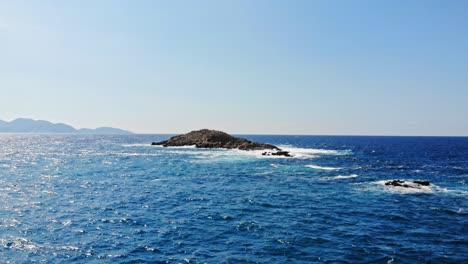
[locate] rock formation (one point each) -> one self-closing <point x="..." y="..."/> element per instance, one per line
<point x="207" y="138"/>
<point x="408" y="184"/>
<point x="277" y="153"/>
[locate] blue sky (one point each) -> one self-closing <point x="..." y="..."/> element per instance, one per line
<point x="267" y="67"/>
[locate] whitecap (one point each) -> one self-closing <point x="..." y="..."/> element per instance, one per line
<point x="316" y="167"/>
<point x="19" y="243"/>
<point x="264" y="173"/>
<point x="416" y="188"/>
<point x="159" y="179"/>
<point x="339" y="177"/>
<point x="71" y="248"/>
<point x="137" y="145"/>
<point x="312" y="152"/>
<point x="219" y="154"/>
<point x="174" y="147"/>
<point x="135" y="154"/>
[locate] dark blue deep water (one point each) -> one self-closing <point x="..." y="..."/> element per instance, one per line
<point x="115" y="199"/>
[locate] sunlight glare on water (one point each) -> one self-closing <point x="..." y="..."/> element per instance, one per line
<point x="117" y="199"/>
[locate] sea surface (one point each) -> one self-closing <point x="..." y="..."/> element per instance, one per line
<point x="116" y="199"/>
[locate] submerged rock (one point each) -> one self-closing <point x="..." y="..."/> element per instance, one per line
<point x="207" y="138"/>
<point x="277" y="153"/>
<point x="408" y="184"/>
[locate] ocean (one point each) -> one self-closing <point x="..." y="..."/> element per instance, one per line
<point x="117" y="199"/>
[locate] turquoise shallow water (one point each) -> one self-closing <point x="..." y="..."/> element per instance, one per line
<point x="101" y="199"/>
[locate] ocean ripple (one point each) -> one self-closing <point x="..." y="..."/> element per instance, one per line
<point x="101" y="199"/>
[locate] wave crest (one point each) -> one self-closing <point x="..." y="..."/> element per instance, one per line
<point x="316" y="167"/>
<point x="340" y="177"/>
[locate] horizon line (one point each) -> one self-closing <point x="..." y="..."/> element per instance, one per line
<point x="237" y="134"/>
<point x="243" y="133"/>
<point x="318" y="135"/>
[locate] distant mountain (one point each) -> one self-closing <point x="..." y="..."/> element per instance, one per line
<point x="104" y="130"/>
<point x="25" y="125"/>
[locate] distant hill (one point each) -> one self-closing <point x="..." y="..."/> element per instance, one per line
<point x="25" y="125"/>
<point x="104" y="130"/>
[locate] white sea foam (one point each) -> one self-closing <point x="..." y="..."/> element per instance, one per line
<point x="416" y="188"/>
<point x="264" y="173"/>
<point x="218" y="154"/>
<point x="209" y="156"/>
<point x="138" y="145"/>
<point x="312" y="152"/>
<point x="339" y="177"/>
<point x="316" y="167"/>
<point x="159" y="179"/>
<point x="26" y="244"/>
<point x="175" y="147"/>
<point x="137" y="154"/>
<point x="155" y="146"/>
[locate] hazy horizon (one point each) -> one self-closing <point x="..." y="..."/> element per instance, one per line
<point x="182" y="132"/>
<point x="244" y="67"/>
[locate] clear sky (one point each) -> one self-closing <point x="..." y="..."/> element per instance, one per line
<point x="269" y="67"/>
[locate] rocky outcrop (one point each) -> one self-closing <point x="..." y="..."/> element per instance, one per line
<point x="277" y="153"/>
<point x="207" y="138"/>
<point x="408" y="184"/>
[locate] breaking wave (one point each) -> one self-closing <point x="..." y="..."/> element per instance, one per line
<point x="405" y="190"/>
<point x="340" y="177"/>
<point x="316" y="167"/>
<point x="236" y="154"/>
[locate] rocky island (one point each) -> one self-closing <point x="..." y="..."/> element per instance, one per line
<point x="207" y="138"/>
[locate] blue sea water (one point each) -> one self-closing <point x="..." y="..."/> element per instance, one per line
<point x="116" y="199"/>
